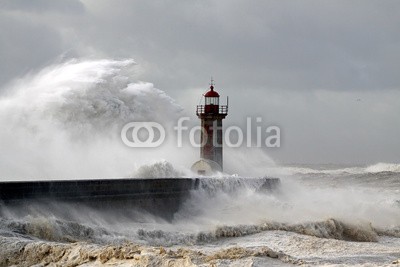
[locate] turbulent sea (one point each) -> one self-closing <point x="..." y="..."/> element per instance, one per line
<point x="64" y="122"/>
<point x="318" y="217"/>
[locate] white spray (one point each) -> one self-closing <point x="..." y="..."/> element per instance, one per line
<point x="65" y="122"/>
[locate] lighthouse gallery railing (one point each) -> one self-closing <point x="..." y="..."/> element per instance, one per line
<point x="223" y="109"/>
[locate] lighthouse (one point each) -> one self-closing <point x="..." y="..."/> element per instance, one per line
<point x="211" y="115"/>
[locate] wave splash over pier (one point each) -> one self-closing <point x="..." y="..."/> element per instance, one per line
<point x="65" y="121"/>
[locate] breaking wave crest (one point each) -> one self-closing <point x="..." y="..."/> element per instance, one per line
<point x="383" y="167"/>
<point x="159" y="169"/>
<point x="52" y="229"/>
<point x="371" y="169"/>
<point x="331" y="228"/>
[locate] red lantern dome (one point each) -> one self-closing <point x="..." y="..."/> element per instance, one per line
<point x="211" y="93"/>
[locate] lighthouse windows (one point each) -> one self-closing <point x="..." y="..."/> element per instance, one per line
<point x="212" y="100"/>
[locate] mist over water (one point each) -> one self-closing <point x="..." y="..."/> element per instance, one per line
<point x="65" y="121"/>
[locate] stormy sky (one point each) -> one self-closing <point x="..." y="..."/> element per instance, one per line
<point x="326" y="72"/>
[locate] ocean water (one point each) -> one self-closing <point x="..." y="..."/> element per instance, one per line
<point x="64" y="122"/>
<point x="317" y="217"/>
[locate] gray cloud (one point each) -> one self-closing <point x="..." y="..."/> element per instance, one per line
<point x="20" y="51"/>
<point x="318" y="45"/>
<point x="43" y="6"/>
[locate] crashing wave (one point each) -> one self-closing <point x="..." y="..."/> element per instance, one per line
<point x="383" y="167"/>
<point x="331" y="228"/>
<point x="162" y="169"/>
<point x="66" y="121"/>
<point x="373" y="169"/>
<point x="52" y="229"/>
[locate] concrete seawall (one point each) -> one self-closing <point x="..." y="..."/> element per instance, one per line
<point x="159" y="196"/>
